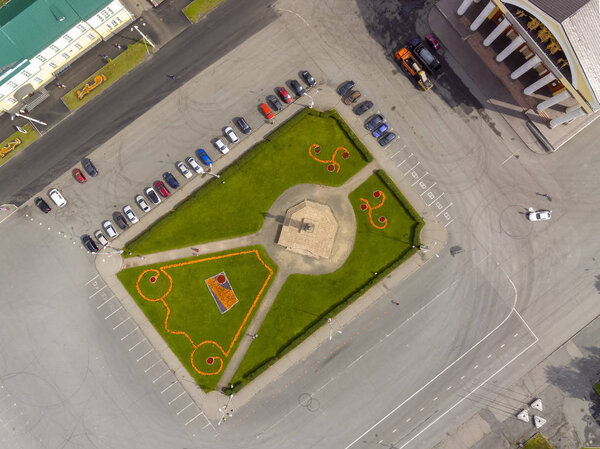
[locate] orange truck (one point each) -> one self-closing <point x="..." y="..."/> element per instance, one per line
<point x="411" y="66"/>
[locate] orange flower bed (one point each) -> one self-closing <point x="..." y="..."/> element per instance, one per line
<point x="367" y="206"/>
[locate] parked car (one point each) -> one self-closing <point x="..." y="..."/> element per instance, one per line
<point x="539" y="215"/>
<point x="152" y="196"/>
<point x="372" y="122"/>
<point x="110" y="230"/>
<point x="344" y="88"/>
<point x="352" y="96"/>
<point x="285" y="96"/>
<point x="243" y="125"/>
<point x="297" y="88"/>
<point x="58" y="199"/>
<point x="162" y="189"/>
<point x="42" y="205"/>
<point x="194" y="165"/>
<point x="206" y="160"/>
<point x="142" y="204"/>
<point x="171" y="180"/>
<point x="308" y="78"/>
<point x="231" y="135"/>
<point x="89" y="244"/>
<point x="183" y="170"/>
<point x="100" y="237"/>
<point x="363" y="107"/>
<point x="130" y="214"/>
<point x="433" y="41"/>
<point x="79" y="176"/>
<point x="387" y="138"/>
<point x="221" y="146"/>
<point x="426" y="57"/>
<point x="380" y="130"/>
<point x="120" y="220"/>
<point x="89" y="167"/>
<point x="274" y="102"/>
<point x="267" y="111"/>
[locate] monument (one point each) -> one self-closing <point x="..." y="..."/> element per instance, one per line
<point x="309" y="229"/>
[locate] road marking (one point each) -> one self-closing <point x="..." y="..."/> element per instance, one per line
<point x="92" y="279"/>
<point x="98" y="308"/>
<point x="426" y="173"/>
<point x="113" y="312"/>
<point x="489" y="356"/>
<point x="137" y="344"/>
<point x="411" y="169"/>
<point x="507" y="159"/>
<point x="151" y="349"/>
<point x="98" y="291"/>
<point x="502" y="345"/>
<point x="134" y="329"/>
<point x="449" y="388"/>
<point x="516" y="335"/>
<point x="167" y="371"/>
<point x="125" y="320"/>
<point x="435" y="399"/>
<point x="394" y="431"/>
<point x="194" y="419"/>
<point x="449" y="222"/>
<point x="421" y="409"/>
<point x="462" y="377"/>
<point x="476" y="366"/>
<point x="153" y="365"/>
<point x="435" y="182"/>
<point x="408" y="419"/>
<point x="169" y="386"/>
<point x="177" y="397"/>
<point x="444" y="209"/>
<point x="436" y="199"/>
<point x="191" y="403"/>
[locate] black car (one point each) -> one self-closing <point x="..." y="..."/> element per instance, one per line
<point x="120" y="220"/>
<point x="386" y="138"/>
<point x="344" y="88"/>
<point x="363" y="107"/>
<point x="297" y="88"/>
<point x="42" y="205"/>
<point x="308" y="78"/>
<point x="243" y="125"/>
<point x="89" y="244"/>
<point x="170" y="179"/>
<point x="89" y="167"/>
<point x="374" y="121"/>
<point x="274" y="102"/>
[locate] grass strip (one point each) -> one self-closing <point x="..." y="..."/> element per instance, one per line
<point x="199" y="8"/>
<point x="26" y="139"/>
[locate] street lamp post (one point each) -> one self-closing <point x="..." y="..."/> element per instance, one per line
<point x="31" y="119"/>
<point x="331" y="329"/>
<point x="146" y="39"/>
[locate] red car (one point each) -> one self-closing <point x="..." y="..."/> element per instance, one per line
<point x="433" y="41"/>
<point x="284" y="95"/>
<point x="79" y="176"/>
<point x="162" y="189"/>
<point x="267" y="111"/>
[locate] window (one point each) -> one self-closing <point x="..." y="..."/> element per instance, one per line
<point x="119" y="19"/>
<point x="92" y="36"/>
<point x="52" y="65"/>
<point x="105" y="14"/>
<point x="99" y="17"/>
<point x="40" y="58"/>
<point x="2" y="96"/>
<point x="114" y="23"/>
<point x="68" y="38"/>
<point x="65" y="55"/>
<point x="81" y="28"/>
<point x="110" y="10"/>
<point x="26" y="73"/>
<point x="38" y="80"/>
<point x="11" y="100"/>
<point x="78" y="46"/>
<point x="12" y="84"/>
<point x="54" y="48"/>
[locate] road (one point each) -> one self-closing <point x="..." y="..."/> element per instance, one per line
<point x="469" y="323"/>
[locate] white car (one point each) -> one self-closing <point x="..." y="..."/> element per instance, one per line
<point x="152" y="195"/>
<point x="539" y="215"/>
<point x="58" y="199"/>
<point x="221" y="146"/>
<point x="183" y="169"/>
<point x="110" y="230"/>
<point x="141" y="202"/>
<point x="130" y="214"/>
<point x="194" y="165"/>
<point x="233" y="138"/>
<point x="100" y="237"/>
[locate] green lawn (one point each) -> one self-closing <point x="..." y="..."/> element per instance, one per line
<point x="189" y="311"/>
<point x="305" y="302"/>
<point x="219" y="211"/>
<point x="537" y="442"/>
<point x="113" y="70"/>
<point x="199" y="8"/>
<point x="26" y="140"/>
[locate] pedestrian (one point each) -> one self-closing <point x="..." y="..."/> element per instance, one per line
<point x="254" y="336"/>
<point x="171" y="76"/>
<point x="395" y="302"/>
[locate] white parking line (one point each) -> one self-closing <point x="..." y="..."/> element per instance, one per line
<point x="137" y="344"/>
<point x="411" y="169"/>
<point x="151" y="349"/>
<point x="153" y="365"/>
<point x="134" y="329"/>
<point x="435" y="182"/>
<point x="426" y="173"/>
<point x="95" y="277"/>
<point x="194" y="419"/>
<point x="113" y="312"/>
<point x="167" y="371"/>
<point x="444" y="209"/>
<point x="436" y="199"/>
<point x="176" y="397"/>
<point x="169" y="386"/>
<point x="449" y="222"/>
<point x="98" y="291"/>
<point x="124" y="321"/>
<point x="191" y="403"/>
<point x="98" y="308"/>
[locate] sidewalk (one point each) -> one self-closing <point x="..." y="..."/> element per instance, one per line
<point x="490" y="81"/>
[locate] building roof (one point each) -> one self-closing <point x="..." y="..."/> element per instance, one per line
<point x="560" y="10"/>
<point x="29" y="26"/>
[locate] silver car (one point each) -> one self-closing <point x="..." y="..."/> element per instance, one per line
<point x="141" y="202"/>
<point x="100" y="237"/>
<point x="110" y="230"/>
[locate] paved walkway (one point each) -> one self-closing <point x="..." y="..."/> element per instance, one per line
<point x="433" y="235"/>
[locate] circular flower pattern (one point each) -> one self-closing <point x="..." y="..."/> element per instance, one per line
<point x="377" y="193"/>
<point x="210" y="360"/>
<point x="346" y="155"/>
<point x="363" y="206"/>
<point x="152" y="279"/>
<point x="330" y="167"/>
<point x="382" y="219"/>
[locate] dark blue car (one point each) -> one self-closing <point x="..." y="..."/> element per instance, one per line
<point x="206" y="160"/>
<point x="380" y="130"/>
<point x="170" y="179"/>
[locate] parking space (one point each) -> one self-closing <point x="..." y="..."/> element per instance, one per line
<point x="150" y="362"/>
